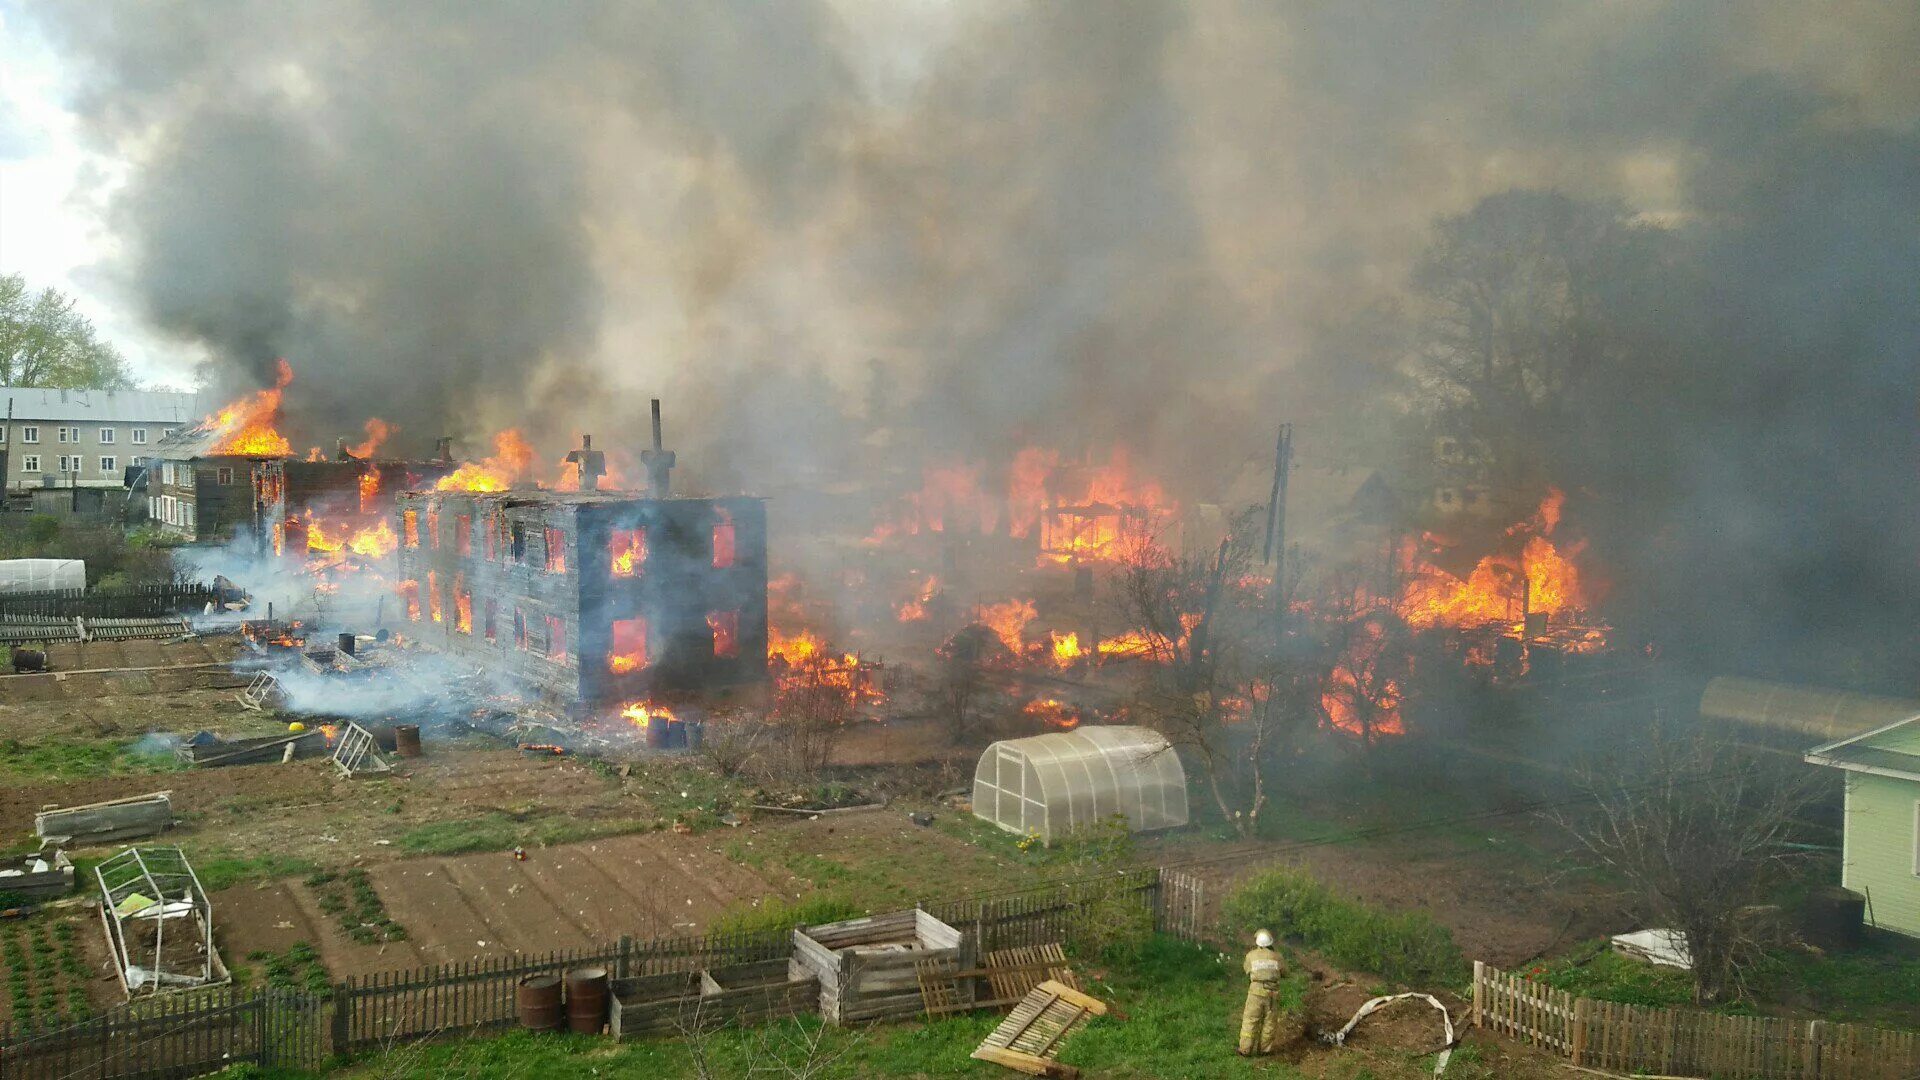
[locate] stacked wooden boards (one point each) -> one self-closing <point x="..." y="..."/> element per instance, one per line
<point x="867" y="967"/>
<point x="1034" y="1031"/>
<point x="739" y="994"/>
<point x="947" y="988"/>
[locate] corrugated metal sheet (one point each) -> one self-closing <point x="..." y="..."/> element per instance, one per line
<point x="160" y="407"/>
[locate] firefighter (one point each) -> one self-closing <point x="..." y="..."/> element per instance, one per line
<point x="1260" y="1020"/>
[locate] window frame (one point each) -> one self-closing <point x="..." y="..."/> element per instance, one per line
<point x="30" y="433"/>
<point x="139" y="436"/>
<point x="109" y="464"/>
<point x="29" y="463"/>
<point x="106" y="435"/>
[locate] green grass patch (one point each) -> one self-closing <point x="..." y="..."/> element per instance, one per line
<point x="1876" y="985"/>
<point x="350" y="899"/>
<point x="773" y="913"/>
<point x="1403" y="946"/>
<point x="67" y="759"/>
<point x="298" y="968"/>
<point x="1598" y="972"/>
<point x="225" y="871"/>
<point x="499" y="831"/>
<point x="1183" y="1006"/>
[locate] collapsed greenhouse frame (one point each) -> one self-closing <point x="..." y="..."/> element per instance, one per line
<point x="157" y="885"/>
<point x="1049" y="785"/>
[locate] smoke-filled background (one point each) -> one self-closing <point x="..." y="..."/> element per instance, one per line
<point x="1166" y="226"/>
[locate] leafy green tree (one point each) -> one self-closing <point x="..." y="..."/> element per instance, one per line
<point x="45" y="342"/>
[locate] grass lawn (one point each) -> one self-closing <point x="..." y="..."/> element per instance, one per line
<point x="1877" y="985"/>
<point x="1182" y="1006"/>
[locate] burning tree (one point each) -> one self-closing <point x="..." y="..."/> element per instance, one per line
<point x="1698" y="826"/>
<point x="1219" y="680"/>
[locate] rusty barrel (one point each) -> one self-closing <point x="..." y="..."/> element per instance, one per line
<point x="406" y="740"/>
<point x="586" y="1000"/>
<point x="539" y="999"/>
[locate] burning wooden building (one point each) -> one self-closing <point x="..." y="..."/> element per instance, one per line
<point x="306" y="507"/>
<point x="596" y="598"/>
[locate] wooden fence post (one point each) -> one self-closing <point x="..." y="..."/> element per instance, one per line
<point x="1479" y="993"/>
<point x="342" y="1004"/>
<point x="621" y="961"/>
<point x="1579" y="1040"/>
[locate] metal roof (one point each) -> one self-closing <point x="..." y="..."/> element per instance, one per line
<point x="101" y="406"/>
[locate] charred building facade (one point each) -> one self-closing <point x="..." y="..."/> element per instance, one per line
<point x="595" y="598"/>
<point x="300" y="505"/>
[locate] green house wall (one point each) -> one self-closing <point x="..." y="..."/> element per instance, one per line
<point x="1882" y="815"/>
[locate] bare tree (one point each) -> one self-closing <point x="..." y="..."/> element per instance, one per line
<point x="813" y="702"/>
<point x="961" y="679"/>
<point x="1698" y="826"/>
<point x="1216" y="678"/>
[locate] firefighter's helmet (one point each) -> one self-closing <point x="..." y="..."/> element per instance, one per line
<point x="1263" y="939"/>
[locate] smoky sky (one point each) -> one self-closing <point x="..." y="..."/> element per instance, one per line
<point x="1163" y="225"/>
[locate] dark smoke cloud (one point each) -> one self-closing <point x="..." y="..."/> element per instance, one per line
<point x="1169" y="225"/>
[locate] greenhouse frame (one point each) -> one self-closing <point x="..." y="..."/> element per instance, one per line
<point x="1049" y="785"/>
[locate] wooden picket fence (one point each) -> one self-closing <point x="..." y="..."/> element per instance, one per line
<point x="398" y="1007"/>
<point x="127" y="602"/>
<point x="1687" y="1042"/>
<point x="173" y="1035"/>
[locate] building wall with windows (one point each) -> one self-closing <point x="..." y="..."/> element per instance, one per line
<point x="84" y="438"/>
<point x="595" y="599"/>
<point x="200" y="498"/>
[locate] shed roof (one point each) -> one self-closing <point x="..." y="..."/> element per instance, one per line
<point x="1891" y="750"/>
<point x="101" y="406"/>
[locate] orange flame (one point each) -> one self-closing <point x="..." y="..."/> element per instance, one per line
<point x="915" y="609"/>
<point x="795" y="649"/>
<point x="1066" y="649"/>
<point x="629" y="550"/>
<point x="1501" y="587"/>
<point x="377" y="432"/>
<point x="249" y="427"/>
<point x="511" y="462"/>
<point x="1052" y="713"/>
<point x="370" y="490"/>
<point x="1008" y="620"/>
<point x="1343" y="701"/>
<point x="629" y="649"/>
<point x="642" y="713"/>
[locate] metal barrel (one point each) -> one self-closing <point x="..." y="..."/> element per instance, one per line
<point x="656" y="733"/>
<point x="347" y="643"/>
<point x="406" y="740"/>
<point x="586" y="1000"/>
<point x="539" y="999"/>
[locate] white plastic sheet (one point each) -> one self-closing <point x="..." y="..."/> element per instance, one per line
<point x="41" y="575"/>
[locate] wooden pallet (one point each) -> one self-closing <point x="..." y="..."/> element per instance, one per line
<point x="1009" y="973"/>
<point x="1030" y="1036"/>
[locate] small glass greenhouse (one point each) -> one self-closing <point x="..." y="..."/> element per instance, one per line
<point x="1048" y="785"/>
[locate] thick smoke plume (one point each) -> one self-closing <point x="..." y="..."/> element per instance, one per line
<point x="1169" y="226"/>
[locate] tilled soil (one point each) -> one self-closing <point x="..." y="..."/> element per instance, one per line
<point x="461" y="907"/>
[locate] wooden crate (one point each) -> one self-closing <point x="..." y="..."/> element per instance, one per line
<point x="738" y="994"/>
<point x="867" y="968"/>
<point x="55" y="881"/>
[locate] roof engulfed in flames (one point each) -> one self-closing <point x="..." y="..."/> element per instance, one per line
<point x="250" y="427"/>
<point x="511" y="463"/>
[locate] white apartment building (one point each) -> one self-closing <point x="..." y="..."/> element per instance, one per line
<point x="84" y="438"/>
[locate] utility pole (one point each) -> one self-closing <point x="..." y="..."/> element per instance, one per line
<point x="1276" y="547"/>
